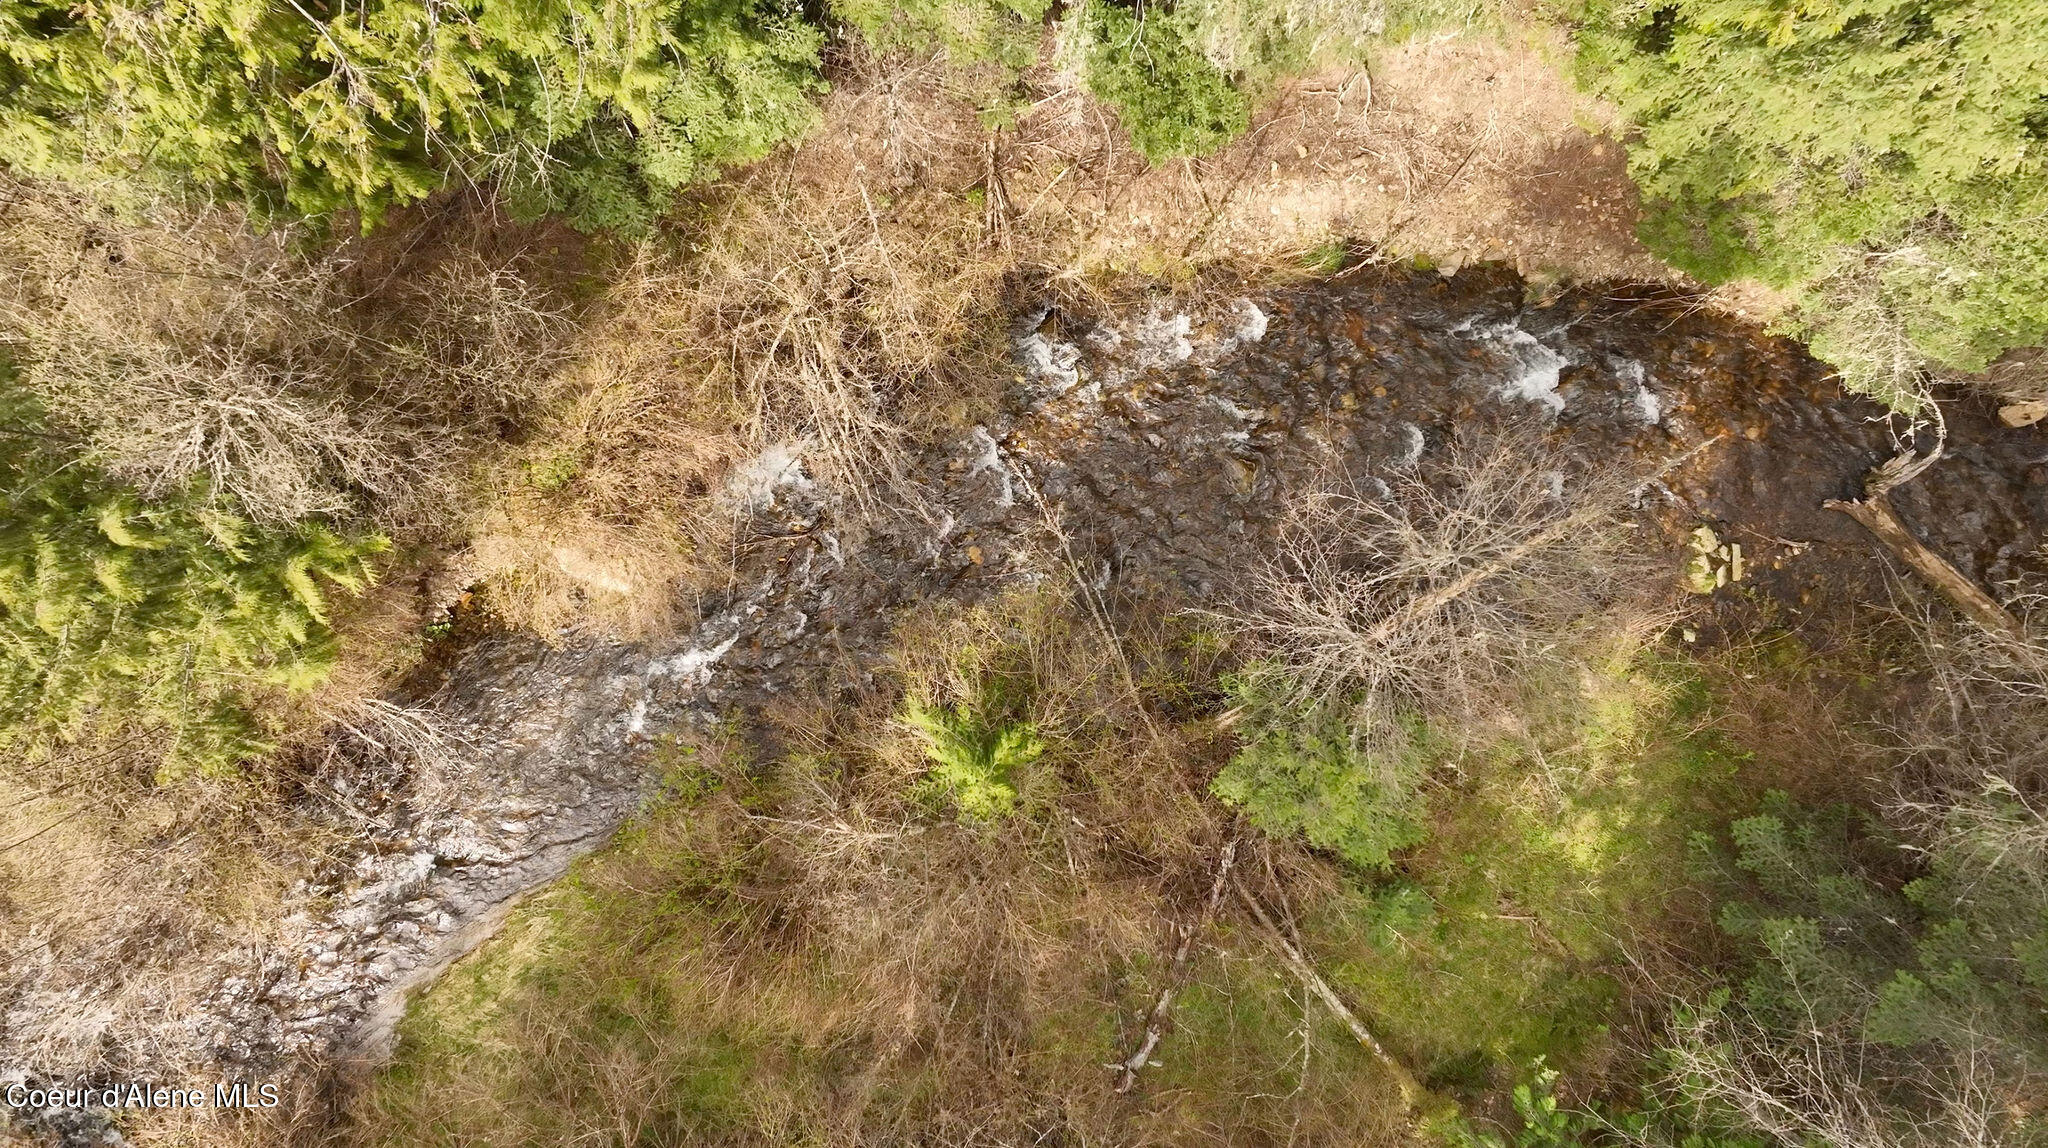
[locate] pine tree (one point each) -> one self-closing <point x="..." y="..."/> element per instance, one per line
<point x="119" y="617"/>
<point x="315" y="107"/>
<point x="1887" y="159"/>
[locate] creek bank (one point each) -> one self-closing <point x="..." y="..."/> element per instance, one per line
<point x="1147" y="454"/>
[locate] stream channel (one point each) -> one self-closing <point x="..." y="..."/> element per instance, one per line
<point x="1151" y="452"/>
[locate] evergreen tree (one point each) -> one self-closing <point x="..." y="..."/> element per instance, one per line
<point x="118" y="617"/>
<point x="1888" y="159"/>
<point x="1301" y="768"/>
<point x="316" y="106"/>
<point x="1919" y="958"/>
<point x="1149" y="66"/>
<point x="1000" y="32"/>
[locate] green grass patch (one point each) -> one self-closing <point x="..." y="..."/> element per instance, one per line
<point x="797" y="950"/>
<point x="1500" y="940"/>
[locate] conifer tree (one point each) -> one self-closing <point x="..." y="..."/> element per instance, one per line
<point x="1915" y="958"/>
<point x="319" y="106"/>
<point x="119" y="617"/>
<point x="1886" y="159"/>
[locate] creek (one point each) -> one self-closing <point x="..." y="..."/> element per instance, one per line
<point x="1149" y="453"/>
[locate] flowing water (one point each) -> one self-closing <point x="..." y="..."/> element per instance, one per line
<point x="1150" y="453"/>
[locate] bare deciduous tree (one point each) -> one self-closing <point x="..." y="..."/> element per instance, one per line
<point x="186" y="347"/>
<point x="1826" y="1087"/>
<point x="1432" y="589"/>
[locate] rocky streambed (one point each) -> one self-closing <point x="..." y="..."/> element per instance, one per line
<point x="1150" y="451"/>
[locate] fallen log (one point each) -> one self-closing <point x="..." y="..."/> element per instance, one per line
<point x="1412" y="1093"/>
<point x="1875" y="512"/>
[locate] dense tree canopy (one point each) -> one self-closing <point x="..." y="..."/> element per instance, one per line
<point x="318" y="107"/>
<point x="119" y="618"/>
<point x="1889" y="158"/>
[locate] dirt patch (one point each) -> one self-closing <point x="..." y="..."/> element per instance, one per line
<point x="1456" y="149"/>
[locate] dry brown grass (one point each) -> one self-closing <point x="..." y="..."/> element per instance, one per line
<point x="805" y="950"/>
<point x="609" y="513"/>
<point x="836" y="294"/>
<point x="1981" y="716"/>
<point x="1454" y="148"/>
<point x="840" y="299"/>
<point x="119" y="905"/>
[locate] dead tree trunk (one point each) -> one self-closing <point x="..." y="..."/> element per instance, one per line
<point x="1875" y="512"/>
<point x="1411" y="1089"/>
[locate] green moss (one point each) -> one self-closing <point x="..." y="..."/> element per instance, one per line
<point x="553" y="472"/>
<point x="1327" y="258"/>
<point x="1499" y="941"/>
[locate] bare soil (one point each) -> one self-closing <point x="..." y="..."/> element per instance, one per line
<point x="1459" y="150"/>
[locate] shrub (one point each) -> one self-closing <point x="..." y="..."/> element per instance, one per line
<point x="1149" y="66"/>
<point x="119" y="618"/>
<point x="1878" y="1010"/>
<point x="1889" y="160"/>
<point x="1301" y="769"/>
<point x="315" y="109"/>
<point x="741" y="84"/>
<point x="182" y="347"/>
<point x="1000" y="32"/>
<point x="1546" y="1123"/>
<point x="1266" y="44"/>
<point x="974" y="759"/>
<point x="1957" y="955"/>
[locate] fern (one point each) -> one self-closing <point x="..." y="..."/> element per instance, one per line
<point x="974" y="762"/>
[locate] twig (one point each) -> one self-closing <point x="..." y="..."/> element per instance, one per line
<point x="1411" y="1089"/>
<point x="45" y="829"/>
<point x="996" y="215"/>
<point x="1155" y="1025"/>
